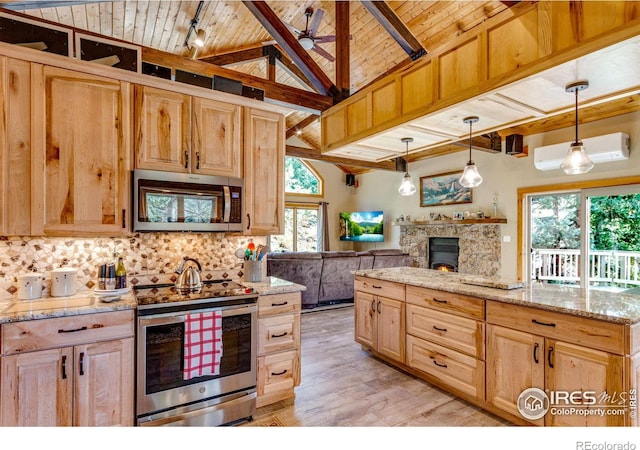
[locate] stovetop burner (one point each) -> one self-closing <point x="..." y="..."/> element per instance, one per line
<point x="166" y="295"/>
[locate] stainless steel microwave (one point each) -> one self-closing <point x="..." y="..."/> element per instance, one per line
<point x="167" y="201"/>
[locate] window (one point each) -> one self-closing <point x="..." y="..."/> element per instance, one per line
<point x="301" y="178"/>
<point x="300" y="230"/>
<point x="587" y="237"/>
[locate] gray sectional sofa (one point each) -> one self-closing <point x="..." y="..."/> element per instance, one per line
<point x="327" y="275"/>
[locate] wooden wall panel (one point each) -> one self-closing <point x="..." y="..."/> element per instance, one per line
<point x="417" y="88"/>
<point x="358" y="116"/>
<point x="513" y="44"/>
<point x="385" y="104"/>
<point x="334" y="127"/>
<point x="459" y="69"/>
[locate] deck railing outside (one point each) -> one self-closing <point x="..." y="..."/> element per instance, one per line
<point x="618" y="267"/>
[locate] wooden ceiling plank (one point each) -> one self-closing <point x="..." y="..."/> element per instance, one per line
<point x="181" y="27"/>
<point x="161" y="19"/>
<point x="150" y="23"/>
<point x="129" y="21"/>
<point x="343" y="55"/>
<point x="279" y="31"/>
<point x="24" y="6"/>
<point x="141" y="15"/>
<point x="301" y="125"/>
<point x="314" y="154"/>
<point x="390" y="21"/>
<point x="118" y="12"/>
<point x="79" y="13"/>
<point x="170" y="24"/>
<point x="106" y="22"/>
<point x="65" y="16"/>
<point x="292" y="70"/>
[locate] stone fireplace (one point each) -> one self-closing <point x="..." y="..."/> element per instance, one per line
<point x="479" y="245"/>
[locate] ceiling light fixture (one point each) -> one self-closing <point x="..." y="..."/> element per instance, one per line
<point x="306" y="42"/>
<point x="470" y="177"/>
<point x="200" y="37"/>
<point x="200" y="34"/>
<point x="407" y="187"/>
<point x="577" y="161"/>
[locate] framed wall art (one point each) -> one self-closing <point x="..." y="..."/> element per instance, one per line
<point x="443" y="189"/>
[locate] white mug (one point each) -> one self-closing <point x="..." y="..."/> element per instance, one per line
<point x="29" y="286"/>
<point x="63" y="281"/>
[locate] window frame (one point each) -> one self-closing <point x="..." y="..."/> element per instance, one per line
<point x="296" y="206"/>
<point x="315" y="173"/>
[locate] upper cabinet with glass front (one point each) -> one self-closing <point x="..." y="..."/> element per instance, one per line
<point x="176" y="132"/>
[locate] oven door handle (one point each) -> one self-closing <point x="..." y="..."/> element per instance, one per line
<point x="179" y="317"/>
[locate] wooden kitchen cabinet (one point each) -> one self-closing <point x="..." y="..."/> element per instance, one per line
<point x="15" y="147"/>
<point x="519" y="359"/>
<point x="278" y="347"/>
<point x="180" y="133"/>
<point x="88" y="382"/>
<point x="380" y="320"/>
<point x="81" y="148"/>
<point x="264" y="151"/>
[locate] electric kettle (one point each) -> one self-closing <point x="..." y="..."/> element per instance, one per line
<point x="188" y="277"/>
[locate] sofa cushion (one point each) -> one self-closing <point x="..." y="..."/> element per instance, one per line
<point x="386" y="251"/>
<point x="294" y="255"/>
<point x="339" y="254"/>
<point x="302" y="271"/>
<point x="336" y="282"/>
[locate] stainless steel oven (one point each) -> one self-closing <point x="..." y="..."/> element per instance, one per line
<point x="164" y="396"/>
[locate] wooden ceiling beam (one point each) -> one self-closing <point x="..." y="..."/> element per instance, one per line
<point x="285" y="39"/>
<point x="343" y="56"/>
<point x="241" y="56"/>
<point x="314" y="154"/>
<point x="390" y="21"/>
<point x="304" y="123"/>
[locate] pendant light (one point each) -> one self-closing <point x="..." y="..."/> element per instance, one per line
<point x="407" y="187"/>
<point x="470" y="177"/>
<point x="577" y="161"/>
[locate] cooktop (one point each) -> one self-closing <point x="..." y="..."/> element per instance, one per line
<point x="167" y="295"/>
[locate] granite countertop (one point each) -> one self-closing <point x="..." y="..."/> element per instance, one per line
<point x="48" y="307"/>
<point x="616" y="307"/>
<point x="273" y="285"/>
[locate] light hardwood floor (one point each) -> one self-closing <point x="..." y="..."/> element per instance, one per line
<point x="344" y="386"/>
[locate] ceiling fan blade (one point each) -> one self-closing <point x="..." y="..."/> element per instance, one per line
<point x="323" y="53"/>
<point x="293" y="29"/>
<point x="107" y="60"/>
<point x="321" y="39"/>
<point x="34" y="45"/>
<point x="318" y="14"/>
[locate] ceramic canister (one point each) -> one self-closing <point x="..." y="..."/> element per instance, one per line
<point x="29" y="286"/>
<point x="63" y="281"/>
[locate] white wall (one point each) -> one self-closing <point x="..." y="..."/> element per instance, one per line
<point x="503" y="175"/>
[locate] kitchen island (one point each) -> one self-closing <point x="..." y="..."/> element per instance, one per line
<point x="488" y="340"/>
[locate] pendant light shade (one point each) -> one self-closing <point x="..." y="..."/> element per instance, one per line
<point x="577" y="161"/>
<point x="471" y="176"/>
<point x="407" y="187"/>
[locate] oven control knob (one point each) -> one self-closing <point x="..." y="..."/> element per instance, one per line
<point x="202" y="390"/>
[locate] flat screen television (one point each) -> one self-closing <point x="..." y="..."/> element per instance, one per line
<point x="362" y="226"/>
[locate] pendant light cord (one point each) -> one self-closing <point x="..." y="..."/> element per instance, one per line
<point x="470" y="125"/>
<point x="576" y="115"/>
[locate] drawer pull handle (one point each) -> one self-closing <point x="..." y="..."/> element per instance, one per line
<point x="549" y="357"/>
<point x="439" y="365"/>
<point x="543" y="323"/>
<point x="64" y="367"/>
<point x="279" y="335"/>
<point x="276" y="374"/>
<point x="376" y="287"/>
<point x="444" y="330"/>
<point x="81" y="363"/>
<point x="72" y="331"/>
<point x="279" y="304"/>
<point x="535" y="353"/>
<point x="439" y="301"/>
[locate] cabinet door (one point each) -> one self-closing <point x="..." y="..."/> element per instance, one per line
<point x="103" y="393"/>
<point x="575" y="368"/>
<point x="264" y="148"/>
<point x="81" y="142"/>
<point x="15" y="147"/>
<point x="216" y="138"/>
<point x="515" y="362"/>
<point x="36" y="388"/>
<point x="390" y="328"/>
<point x="163" y="130"/>
<point x="365" y="316"/>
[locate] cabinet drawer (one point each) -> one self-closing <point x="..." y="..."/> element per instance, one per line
<point x="591" y="333"/>
<point x="278" y="373"/>
<point x="458" y="333"/>
<point x="378" y="287"/>
<point x="460" y="305"/>
<point x="269" y="305"/>
<point x="278" y="333"/>
<point x="31" y="335"/>
<point x="459" y="371"/>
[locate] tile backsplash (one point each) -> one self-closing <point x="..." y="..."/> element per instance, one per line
<point x="149" y="257"/>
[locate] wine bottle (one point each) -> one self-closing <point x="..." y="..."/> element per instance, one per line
<point x="121" y="274"/>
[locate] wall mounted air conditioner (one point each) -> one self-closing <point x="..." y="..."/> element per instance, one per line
<point x="607" y="148"/>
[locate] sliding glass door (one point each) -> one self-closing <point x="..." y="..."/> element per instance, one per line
<point x="588" y="237"/>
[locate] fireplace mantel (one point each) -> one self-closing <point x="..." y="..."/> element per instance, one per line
<point x="413" y="223"/>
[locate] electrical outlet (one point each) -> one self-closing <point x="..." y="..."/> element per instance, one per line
<point x="506" y="238"/>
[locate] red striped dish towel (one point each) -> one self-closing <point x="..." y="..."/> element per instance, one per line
<point x="202" y="344"/>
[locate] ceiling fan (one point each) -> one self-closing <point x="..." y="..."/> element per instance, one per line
<point x="308" y="38"/>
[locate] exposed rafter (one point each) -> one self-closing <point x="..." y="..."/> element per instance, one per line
<point x="309" y="153"/>
<point x="390" y="21"/>
<point x="241" y="56"/>
<point x="287" y="41"/>
<point x="343" y="57"/>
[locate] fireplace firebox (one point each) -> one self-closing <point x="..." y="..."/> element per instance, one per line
<point x="443" y="253"/>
